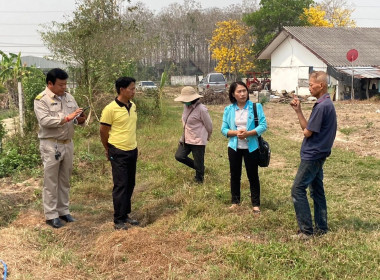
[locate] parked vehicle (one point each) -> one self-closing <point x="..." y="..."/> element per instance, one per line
<point x="256" y="84"/>
<point x="146" y="85"/>
<point x="214" y="81"/>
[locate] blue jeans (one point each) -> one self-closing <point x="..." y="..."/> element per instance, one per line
<point x="310" y="174"/>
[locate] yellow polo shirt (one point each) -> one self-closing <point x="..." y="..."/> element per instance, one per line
<point x="123" y="125"/>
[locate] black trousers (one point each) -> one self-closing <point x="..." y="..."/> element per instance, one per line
<point x="124" y="179"/>
<point x="198" y="151"/>
<point x="251" y="166"/>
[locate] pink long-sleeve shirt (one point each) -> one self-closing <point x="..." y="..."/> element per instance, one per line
<point x="198" y="126"/>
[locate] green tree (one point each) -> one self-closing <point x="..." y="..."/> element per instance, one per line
<point x="269" y="20"/>
<point x="97" y="41"/>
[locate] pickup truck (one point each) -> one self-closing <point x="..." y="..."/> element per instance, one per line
<point x="213" y="81"/>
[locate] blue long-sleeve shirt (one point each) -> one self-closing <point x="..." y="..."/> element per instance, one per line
<point x="229" y="124"/>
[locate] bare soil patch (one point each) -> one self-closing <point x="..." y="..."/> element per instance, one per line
<point x="358" y="124"/>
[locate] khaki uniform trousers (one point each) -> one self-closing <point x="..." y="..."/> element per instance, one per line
<point x="57" y="173"/>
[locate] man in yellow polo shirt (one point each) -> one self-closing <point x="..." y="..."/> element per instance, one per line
<point x="118" y="136"/>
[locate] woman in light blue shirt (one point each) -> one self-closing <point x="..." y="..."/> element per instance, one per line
<point x="239" y="126"/>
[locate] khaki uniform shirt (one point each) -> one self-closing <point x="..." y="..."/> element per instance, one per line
<point x="50" y="110"/>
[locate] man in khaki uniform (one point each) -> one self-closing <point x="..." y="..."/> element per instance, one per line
<point x="57" y="112"/>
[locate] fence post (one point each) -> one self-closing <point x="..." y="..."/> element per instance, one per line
<point x="20" y="108"/>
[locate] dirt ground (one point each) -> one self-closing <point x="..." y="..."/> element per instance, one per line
<point x="358" y="124"/>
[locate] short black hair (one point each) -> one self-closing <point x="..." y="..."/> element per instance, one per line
<point x="56" y="73"/>
<point x="123" y="82"/>
<point x="232" y="89"/>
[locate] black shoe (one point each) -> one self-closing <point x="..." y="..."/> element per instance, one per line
<point x="120" y="226"/>
<point x="55" y="223"/>
<point x="198" y="180"/>
<point x="67" y="218"/>
<point x="132" y="221"/>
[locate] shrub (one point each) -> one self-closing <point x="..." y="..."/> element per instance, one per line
<point x="263" y="100"/>
<point x="19" y="153"/>
<point x="32" y="86"/>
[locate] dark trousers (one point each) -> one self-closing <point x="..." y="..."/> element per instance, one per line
<point x="124" y="177"/>
<point x="251" y="166"/>
<point x="310" y="175"/>
<point x="198" y="151"/>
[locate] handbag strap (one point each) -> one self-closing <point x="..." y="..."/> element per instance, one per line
<point x="184" y="126"/>
<point x="256" y="118"/>
<point x="255" y="115"/>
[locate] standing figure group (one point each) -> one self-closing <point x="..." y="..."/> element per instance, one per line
<point x="57" y="112"/>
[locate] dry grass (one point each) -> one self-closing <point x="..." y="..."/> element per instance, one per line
<point x="187" y="231"/>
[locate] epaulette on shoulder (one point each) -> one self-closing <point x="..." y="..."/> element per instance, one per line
<point x="38" y="97"/>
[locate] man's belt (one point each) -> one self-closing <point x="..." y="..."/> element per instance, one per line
<point x="58" y="141"/>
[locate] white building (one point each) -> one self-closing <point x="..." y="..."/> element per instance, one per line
<point x="296" y="51"/>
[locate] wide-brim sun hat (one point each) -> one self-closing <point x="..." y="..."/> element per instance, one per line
<point x="188" y="94"/>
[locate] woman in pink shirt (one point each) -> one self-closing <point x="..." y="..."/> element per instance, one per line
<point x="197" y="129"/>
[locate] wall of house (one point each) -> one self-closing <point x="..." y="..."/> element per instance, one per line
<point x="290" y="65"/>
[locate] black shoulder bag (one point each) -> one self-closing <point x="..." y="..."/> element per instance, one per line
<point x="264" y="149"/>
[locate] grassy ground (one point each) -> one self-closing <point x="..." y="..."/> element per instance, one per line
<point x="187" y="231"/>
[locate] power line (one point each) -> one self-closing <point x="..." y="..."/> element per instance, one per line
<point x="22" y="52"/>
<point x="366" y="7"/>
<point x="21" y="44"/>
<point x="17" y="46"/>
<point x="21" y="24"/>
<point x="32" y="12"/>
<point x="366" y="18"/>
<point x="17" y="36"/>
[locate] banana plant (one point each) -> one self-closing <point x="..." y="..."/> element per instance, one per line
<point x="13" y="71"/>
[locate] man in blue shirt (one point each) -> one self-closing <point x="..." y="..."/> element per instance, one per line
<point x="319" y="134"/>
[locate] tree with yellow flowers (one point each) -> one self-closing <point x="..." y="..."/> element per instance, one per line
<point x="231" y="47"/>
<point x="330" y="13"/>
<point x="315" y="16"/>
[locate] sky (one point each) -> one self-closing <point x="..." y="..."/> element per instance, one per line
<point x="20" y="20"/>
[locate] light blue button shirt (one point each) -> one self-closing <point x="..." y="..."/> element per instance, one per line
<point x="229" y="123"/>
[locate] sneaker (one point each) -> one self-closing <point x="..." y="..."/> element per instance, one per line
<point x="301" y="236"/>
<point x="131" y="221"/>
<point x="319" y="232"/>
<point x="198" y="180"/>
<point x="120" y="226"/>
